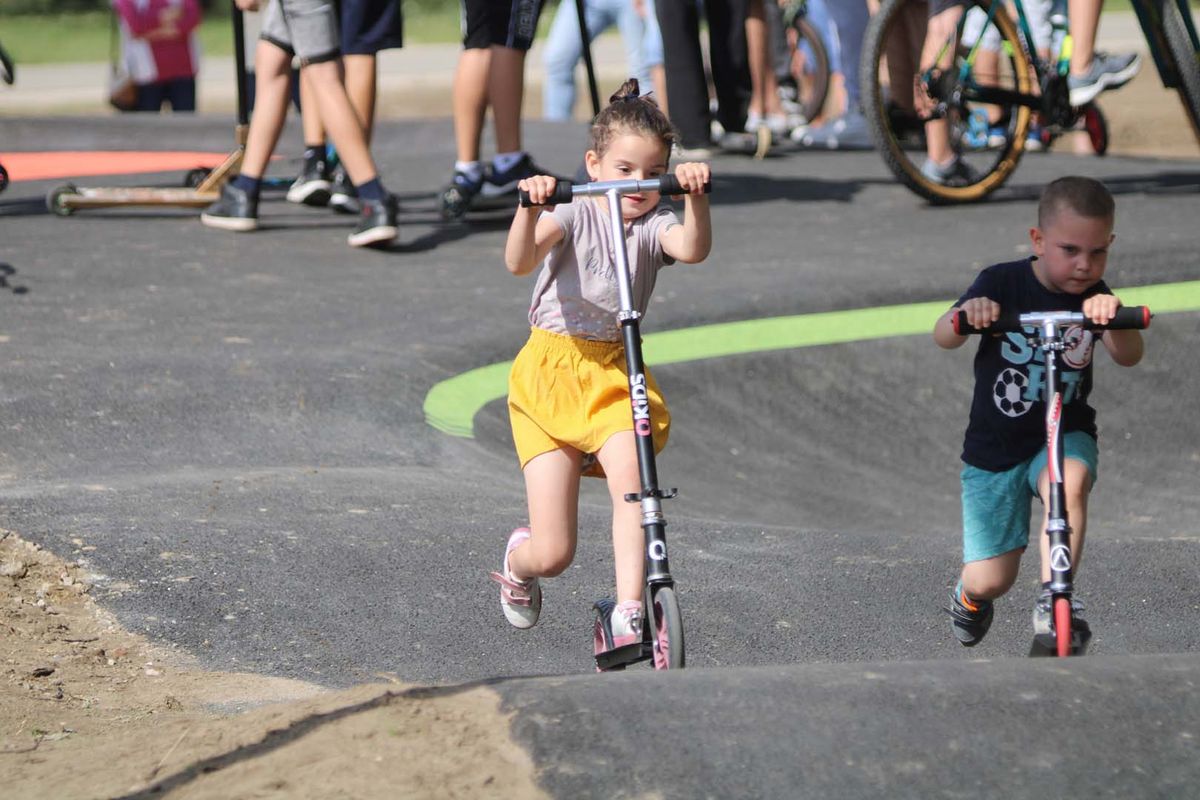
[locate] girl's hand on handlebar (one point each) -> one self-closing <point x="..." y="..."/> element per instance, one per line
<point x="1101" y="308"/>
<point x="540" y="188"/>
<point x="692" y="175"/>
<point x="981" y="312"/>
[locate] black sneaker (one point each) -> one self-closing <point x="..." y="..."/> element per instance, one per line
<point x="343" y="196"/>
<point x="502" y="184"/>
<point x="970" y="623"/>
<point x="236" y="210"/>
<point x="376" y="223"/>
<point x="456" y="198"/>
<point x="311" y="187"/>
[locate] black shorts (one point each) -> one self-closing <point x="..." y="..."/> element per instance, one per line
<point x="369" y="26"/>
<point x="507" y="23"/>
<point x="938" y="6"/>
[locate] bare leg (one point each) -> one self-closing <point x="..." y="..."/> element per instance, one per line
<point x="552" y="490"/>
<point x="1084" y="18"/>
<point x="618" y="456"/>
<point x="938" y="50"/>
<point x="470" y="100"/>
<point x="273" y="76"/>
<point x="333" y="104"/>
<point x="1077" y="485"/>
<point x="505" y="92"/>
<point x="659" y="75"/>
<point x="759" y="56"/>
<point x="314" y="130"/>
<point x="361" y="87"/>
<point x="991" y="577"/>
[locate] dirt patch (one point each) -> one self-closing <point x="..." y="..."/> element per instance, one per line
<point x="90" y="710"/>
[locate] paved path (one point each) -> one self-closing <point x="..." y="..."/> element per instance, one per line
<point x="228" y="430"/>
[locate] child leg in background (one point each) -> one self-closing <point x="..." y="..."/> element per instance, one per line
<point x="309" y="29"/>
<point x="367" y="27"/>
<point x="847" y="130"/>
<point x="766" y="107"/>
<point x="491" y="71"/>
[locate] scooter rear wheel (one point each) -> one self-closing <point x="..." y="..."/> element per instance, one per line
<point x="1062" y="626"/>
<point x="668" y="629"/>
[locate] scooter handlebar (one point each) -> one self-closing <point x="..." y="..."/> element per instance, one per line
<point x="564" y="191"/>
<point x="1126" y="318"/>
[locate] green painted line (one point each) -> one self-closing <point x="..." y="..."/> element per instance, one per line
<point x="452" y="404"/>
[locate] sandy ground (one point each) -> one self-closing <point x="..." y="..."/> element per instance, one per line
<point x="88" y="710"/>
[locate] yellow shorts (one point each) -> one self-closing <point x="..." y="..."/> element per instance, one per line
<point x="569" y="392"/>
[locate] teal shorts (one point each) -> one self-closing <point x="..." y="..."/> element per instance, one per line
<point x="996" y="505"/>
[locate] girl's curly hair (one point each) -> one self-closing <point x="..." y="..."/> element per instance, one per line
<point x="628" y="111"/>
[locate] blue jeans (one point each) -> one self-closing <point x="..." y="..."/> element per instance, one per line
<point x="564" y="48"/>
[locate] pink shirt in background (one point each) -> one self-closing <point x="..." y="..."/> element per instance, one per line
<point x="153" y="60"/>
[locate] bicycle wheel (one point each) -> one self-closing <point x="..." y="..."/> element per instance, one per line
<point x="809" y="67"/>
<point x="989" y="138"/>
<point x="1187" y="62"/>
<point x="668" y="629"/>
<point x="1062" y="626"/>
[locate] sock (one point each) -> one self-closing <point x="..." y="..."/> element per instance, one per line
<point x="965" y="599"/>
<point x="472" y="169"/>
<point x="314" y="157"/>
<point x="371" y="190"/>
<point x="503" y="162"/>
<point x="247" y="184"/>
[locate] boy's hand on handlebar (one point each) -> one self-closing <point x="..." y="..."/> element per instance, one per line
<point x="1101" y="308"/>
<point x="540" y="188"/>
<point x="692" y="176"/>
<point x="981" y="312"/>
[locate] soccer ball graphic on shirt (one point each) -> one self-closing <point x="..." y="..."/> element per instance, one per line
<point x="1009" y="391"/>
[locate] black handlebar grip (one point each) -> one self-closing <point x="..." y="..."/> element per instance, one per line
<point x="1007" y="322"/>
<point x="1128" y="318"/>
<point x="562" y="194"/>
<point x="669" y="184"/>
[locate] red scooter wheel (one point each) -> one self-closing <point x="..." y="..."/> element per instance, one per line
<point x="1062" y="626"/>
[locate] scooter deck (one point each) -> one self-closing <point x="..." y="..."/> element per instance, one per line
<point x="623" y="656"/>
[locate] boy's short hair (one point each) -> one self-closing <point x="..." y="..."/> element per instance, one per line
<point x="1087" y="197"/>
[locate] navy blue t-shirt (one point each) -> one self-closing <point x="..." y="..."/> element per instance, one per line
<point x="1007" y="424"/>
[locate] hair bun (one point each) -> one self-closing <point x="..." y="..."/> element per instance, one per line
<point x="629" y="91"/>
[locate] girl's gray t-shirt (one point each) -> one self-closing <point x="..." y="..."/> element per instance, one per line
<point x="581" y="300"/>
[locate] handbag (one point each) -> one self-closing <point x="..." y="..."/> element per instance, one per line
<point x="122" y="91"/>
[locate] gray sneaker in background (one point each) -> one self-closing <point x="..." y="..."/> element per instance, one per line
<point x="1108" y="71"/>
<point x="957" y="173"/>
<point x="847" y="132"/>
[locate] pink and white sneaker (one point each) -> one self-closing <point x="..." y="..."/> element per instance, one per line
<point x="521" y="601"/>
<point x="626" y="622"/>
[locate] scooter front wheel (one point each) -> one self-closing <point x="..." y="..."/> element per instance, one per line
<point x="1062" y="626"/>
<point x="668" y="629"/>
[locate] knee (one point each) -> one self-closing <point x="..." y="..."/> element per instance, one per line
<point x="989" y="587"/>
<point x="548" y="559"/>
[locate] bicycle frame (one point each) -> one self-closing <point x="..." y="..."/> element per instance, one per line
<point x="1149" y="16"/>
<point x="978" y="93"/>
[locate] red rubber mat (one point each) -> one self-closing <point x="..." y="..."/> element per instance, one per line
<point x="81" y="163"/>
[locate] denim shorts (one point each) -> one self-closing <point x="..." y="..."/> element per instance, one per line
<point x="996" y="505"/>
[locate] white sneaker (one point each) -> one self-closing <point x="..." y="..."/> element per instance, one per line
<point x="521" y="601"/>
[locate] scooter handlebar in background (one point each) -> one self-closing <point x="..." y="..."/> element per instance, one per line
<point x="1126" y="318"/>
<point x="564" y="191"/>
